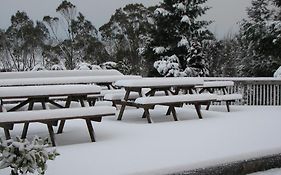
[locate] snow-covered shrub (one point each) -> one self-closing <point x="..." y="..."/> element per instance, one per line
<point x="168" y="66"/>
<point x="277" y="72"/>
<point x="124" y="67"/>
<point x="25" y="157"/>
<point x="96" y="67"/>
<point x="58" y="67"/>
<point x="84" y="66"/>
<point x="38" y="67"/>
<point x="108" y="65"/>
<point x="162" y="12"/>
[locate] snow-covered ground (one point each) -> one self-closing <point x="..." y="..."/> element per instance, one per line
<point x="276" y="171"/>
<point x="132" y="146"/>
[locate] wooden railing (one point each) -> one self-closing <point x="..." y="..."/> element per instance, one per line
<point x="256" y="91"/>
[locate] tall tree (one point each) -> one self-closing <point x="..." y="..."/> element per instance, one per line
<point x="80" y="41"/>
<point x="126" y="34"/>
<point x="23" y="42"/>
<point x="261" y="35"/>
<point x="179" y="33"/>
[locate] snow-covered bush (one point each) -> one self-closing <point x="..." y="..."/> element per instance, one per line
<point x="25" y="157"/>
<point x="96" y="67"/>
<point x="58" y="67"/>
<point x="38" y="67"/>
<point x="108" y="65"/>
<point x="168" y="66"/>
<point x="84" y="66"/>
<point x="278" y="72"/>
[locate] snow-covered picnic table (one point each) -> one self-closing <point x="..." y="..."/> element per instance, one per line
<point x="156" y="84"/>
<point x="42" y="94"/>
<point x="102" y="80"/>
<point x="221" y="89"/>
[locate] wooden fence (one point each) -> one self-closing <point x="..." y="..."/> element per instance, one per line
<point x="256" y="91"/>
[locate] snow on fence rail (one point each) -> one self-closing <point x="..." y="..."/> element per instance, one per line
<point x="256" y="91"/>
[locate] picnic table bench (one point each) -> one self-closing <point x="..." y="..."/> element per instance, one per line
<point x="49" y="117"/>
<point x="220" y="89"/>
<point x="172" y="101"/>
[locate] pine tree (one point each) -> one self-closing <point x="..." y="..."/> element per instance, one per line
<point x="177" y="27"/>
<point x="261" y="36"/>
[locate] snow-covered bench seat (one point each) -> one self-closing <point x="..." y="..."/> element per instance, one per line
<point x="50" y="117"/>
<point x="227" y="98"/>
<point x="210" y="86"/>
<point x="220" y="89"/>
<point x="116" y="97"/>
<point x="172" y="101"/>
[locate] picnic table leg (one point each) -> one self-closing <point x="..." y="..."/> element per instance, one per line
<point x="92" y="101"/>
<point x="146" y="113"/>
<point x="120" y="115"/>
<point x="82" y="103"/>
<point x="54" y="103"/>
<point x="43" y="103"/>
<point x="177" y="90"/>
<point x="20" y="105"/>
<point x="26" y="124"/>
<point x="227" y="106"/>
<point x="198" y="109"/>
<point x="62" y="122"/>
<point x="91" y="130"/>
<point x="7" y="133"/>
<point x="208" y="105"/>
<point x="51" y="133"/>
<point x="173" y="110"/>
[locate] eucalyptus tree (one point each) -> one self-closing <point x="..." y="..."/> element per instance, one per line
<point x="126" y="34"/>
<point x="74" y="39"/>
<point x="22" y="43"/>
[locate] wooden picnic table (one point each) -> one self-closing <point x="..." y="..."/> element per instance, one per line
<point x="219" y="88"/>
<point x="100" y="80"/>
<point x="42" y="94"/>
<point x="170" y="85"/>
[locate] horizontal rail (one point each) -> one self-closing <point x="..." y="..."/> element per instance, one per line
<point x="255" y="90"/>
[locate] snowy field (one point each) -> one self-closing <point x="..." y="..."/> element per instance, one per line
<point x="132" y="146"/>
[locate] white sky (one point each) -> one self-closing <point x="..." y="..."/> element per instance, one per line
<point x="226" y="13"/>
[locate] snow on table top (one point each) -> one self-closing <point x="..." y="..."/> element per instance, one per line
<point x="229" y="97"/>
<point x="55" y="114"/>
<point x="61" y="73"/>
<point x="158" y="82"/>
<point x="175" y="98"/>
<point x="254" y="79"/>
<point x="217" y="83"/>
<point x="120" y="96"/>
<point x="48" y="90"/>
<point x="65" y="80"/>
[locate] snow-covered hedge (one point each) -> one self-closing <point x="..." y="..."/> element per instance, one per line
<point x="25" y="157"/>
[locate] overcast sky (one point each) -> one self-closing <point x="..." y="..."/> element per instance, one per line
<point x="225" y="13"/>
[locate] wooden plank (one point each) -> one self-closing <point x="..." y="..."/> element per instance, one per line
<point x="120" y="115"/>
<point x="91" y="130"/>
